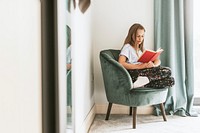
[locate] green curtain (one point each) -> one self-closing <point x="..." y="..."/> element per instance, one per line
<point x="173" y="33"/>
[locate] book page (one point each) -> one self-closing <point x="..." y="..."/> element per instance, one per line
<point x="158" y="52"/>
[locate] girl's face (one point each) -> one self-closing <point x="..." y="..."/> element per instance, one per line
<point x="139" y="36"/>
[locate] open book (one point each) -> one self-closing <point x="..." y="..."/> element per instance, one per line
<point x="149" y="55"/>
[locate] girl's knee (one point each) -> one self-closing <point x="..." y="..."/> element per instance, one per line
<point x="167" y="71"/>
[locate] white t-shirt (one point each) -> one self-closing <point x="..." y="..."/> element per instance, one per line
<point x="130" y="54"/>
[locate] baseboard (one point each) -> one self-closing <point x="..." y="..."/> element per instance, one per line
<point x="88" y="121"/>
<point x="120" y="109"/>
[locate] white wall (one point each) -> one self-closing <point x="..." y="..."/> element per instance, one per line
<point x="20" y="67"/>
<point x="111" y="21"/>
<point x="82" y="71"/>
<point x="20" y="55"/>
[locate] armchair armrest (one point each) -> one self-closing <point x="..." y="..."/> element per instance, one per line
<point x="117" y="80"/>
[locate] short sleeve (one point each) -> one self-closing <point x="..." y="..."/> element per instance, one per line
<point x="129" y="52"/>
<point x="125" y="51"/>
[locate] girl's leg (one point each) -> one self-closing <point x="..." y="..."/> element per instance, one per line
<point x="159" y="77"/>
<point x="134" y="74"/>
<point x="138" y="81"/>
<point x="156" y="73"/>
<point x="162" y="83"/>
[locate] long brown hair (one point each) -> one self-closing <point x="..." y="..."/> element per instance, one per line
<point x="132" y="33"/>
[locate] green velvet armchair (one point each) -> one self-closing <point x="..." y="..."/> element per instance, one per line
<point x="119" y="87"/>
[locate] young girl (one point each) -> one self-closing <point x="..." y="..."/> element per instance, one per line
<point x="149" y="74"/>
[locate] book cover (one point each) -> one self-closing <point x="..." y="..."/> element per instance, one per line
<point x="150" y="55"/>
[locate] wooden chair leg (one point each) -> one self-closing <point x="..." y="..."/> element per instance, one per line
<point x="130" y="110"/>
<point x="134" y="117"/>
<point x="163" y="111"/>
<point x="108" y="111"/>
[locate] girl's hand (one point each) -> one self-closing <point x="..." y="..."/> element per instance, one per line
<point x="150" y="64"/>
<point x="143" y="65"/>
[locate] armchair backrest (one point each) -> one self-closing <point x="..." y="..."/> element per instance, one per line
<point x="117" y="80"/>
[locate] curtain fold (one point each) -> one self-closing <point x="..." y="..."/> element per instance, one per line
<point x="173" y="33"/>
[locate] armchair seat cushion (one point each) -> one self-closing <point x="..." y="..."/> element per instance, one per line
<point x="144" y="89"/>
<point x="147" y="96"/>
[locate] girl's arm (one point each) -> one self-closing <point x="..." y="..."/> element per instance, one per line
<point x="156" y="63"/>
<point x="122" y="61"/>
